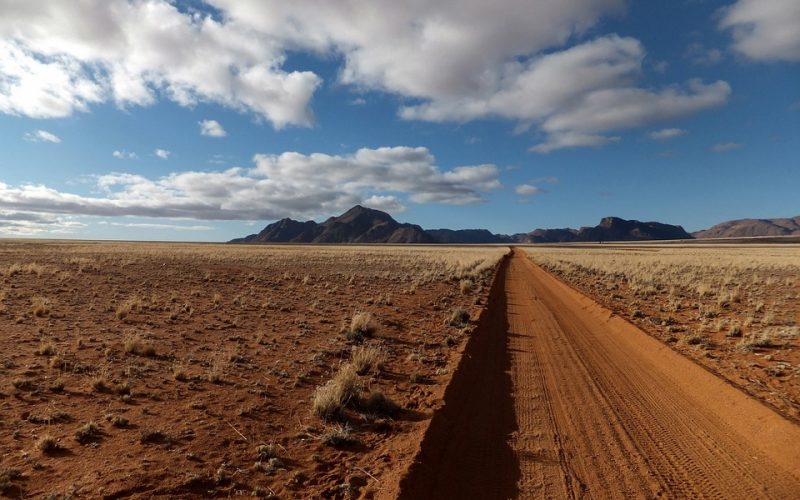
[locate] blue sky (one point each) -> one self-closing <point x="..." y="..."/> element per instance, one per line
<point x="205" y="121"/>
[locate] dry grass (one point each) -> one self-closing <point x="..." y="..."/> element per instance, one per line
<point x="368" y="358"/>
<point x="135" y="344"/>
<point x="88" y="432"/>
<point x="331" y="399"/>
<point x="48" y="445"/>
<point x="459" y="317"/>
<point x="363" y="324"/>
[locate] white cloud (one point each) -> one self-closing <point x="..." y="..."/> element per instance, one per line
<point x="578" y="94"/>
<point x="211" y="128"/>
<point x="162" y="153"/>
<point x="666" y="133"/>
<point x="562" y="140"/>
<point x="59" y="57"/>
<point x="42" y="136"/>
<point x="124" y="155"/>
<point x="725" y="146"/>
<point x="28" y="223"/>
<point x="764" y="30"/>
<point x="527" y="190"/>
<point x="289" y="184"/>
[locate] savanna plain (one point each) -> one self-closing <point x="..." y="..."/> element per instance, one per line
<point x="134" y="370"/>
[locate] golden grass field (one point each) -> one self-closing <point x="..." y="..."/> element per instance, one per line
<point x="733" y="308"/>
<point x="132" y="369"/>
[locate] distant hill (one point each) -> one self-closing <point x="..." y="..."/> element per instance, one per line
<point x="616" y="229"/>
<point x="466" y="236"/>
<point x="357" y="225"/>
<point x="366" y="225"/>
<point x="748" y="228"/>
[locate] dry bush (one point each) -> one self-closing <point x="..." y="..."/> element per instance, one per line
<point x="46" y="349"/>
<point x="47" y="444"/>
<point x="332" y="398"/>
<point x="466" y="286"/>
<point x="366" y="359"/>
<point x="88" y="432"/>
<point x="459" y="317"/>
<point x="363" y="324"/>
<point x="135" y="344"/>
<point x="40" y="306"/>
<point x="337" y="435"/>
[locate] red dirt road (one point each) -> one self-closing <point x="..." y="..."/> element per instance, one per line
<point x="557" y="398"/>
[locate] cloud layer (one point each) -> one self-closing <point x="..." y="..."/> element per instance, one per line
<point x="289" y="184"/>
<point x="60" y="57"/>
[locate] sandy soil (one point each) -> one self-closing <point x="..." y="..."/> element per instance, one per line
<point x="561" y="398"/>
<point x="220" y="351"/>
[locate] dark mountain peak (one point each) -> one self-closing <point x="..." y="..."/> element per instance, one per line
<point x="357" y="225"/>
<point x="363" y="213"/>
<point x="612" y="221"/>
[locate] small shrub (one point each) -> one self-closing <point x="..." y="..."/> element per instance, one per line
<point x="735" y="331"/>
<point x="363" y="324"/>
<point x="337" y="435"/>
<point x="459" y="317"/>
<point x="88" y="432"/>
<point x="266" y="451"/>
<point x="466" y="286"/>
<point x="134" y="344"/>
<point x="46" y="349"/>
<point x="152" y="436"/>
<point x="117" y="421"/>
<point x="366" y="359"/>
<point x="40" y="307"/>
<point x="57" y="385"/>
<point x="331" y="398"/>
<point x="47" y="444"/>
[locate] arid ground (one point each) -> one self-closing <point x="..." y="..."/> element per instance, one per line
<point x="188" y="371"/>
<point x="138" y="370"/>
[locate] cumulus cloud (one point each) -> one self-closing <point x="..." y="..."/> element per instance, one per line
<point x="765" y="30"/>
<point x="124" y="155"/>
<point x="289" y="184"/>
<point x="211" y="128"/>
<point x="162" y="153"/>
<point x="42" y="136"/>
<point x="666" y="133"/>
<point x="527" y="190"/>
<point x="59" y="57"/>
<point x="578" y="94"/>
<point x="14" y="223"/>
<point x="723" y="147"/>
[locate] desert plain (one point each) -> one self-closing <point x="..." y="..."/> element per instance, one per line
<point x="141" y="370"/>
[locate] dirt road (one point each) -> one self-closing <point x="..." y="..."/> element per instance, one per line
<point x="557" y="398"/>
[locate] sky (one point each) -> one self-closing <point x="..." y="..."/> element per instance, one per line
<point x="206" y="120"/>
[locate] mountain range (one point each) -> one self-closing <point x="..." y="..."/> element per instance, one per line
<point x="366" y="225"/>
